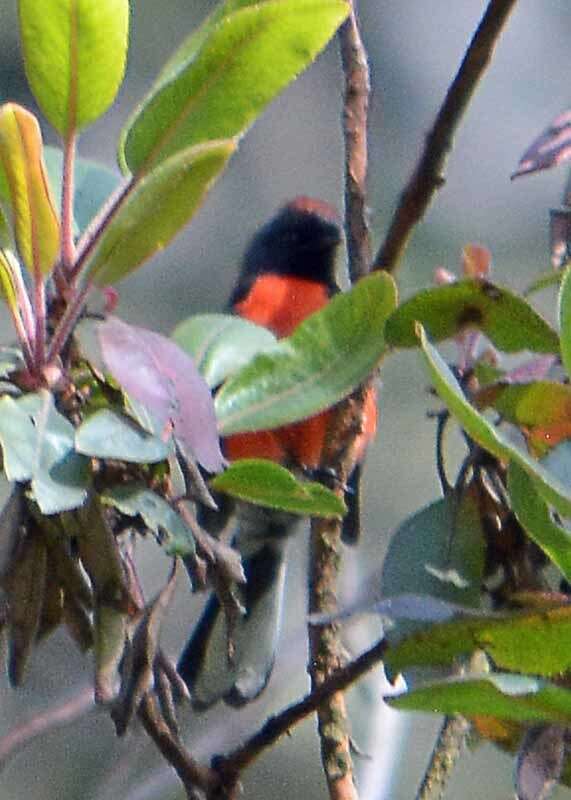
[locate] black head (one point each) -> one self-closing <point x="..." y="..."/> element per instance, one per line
<point x="300" y="240"/>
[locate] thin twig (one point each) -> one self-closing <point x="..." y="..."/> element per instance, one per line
<point x="442" y="418"/>
<point x="275" y="727"/>
<point x="428" y="176"/>
<point x="192" y="775"/>
<point x="48" y="720"/>
<point x="355" y="109"/>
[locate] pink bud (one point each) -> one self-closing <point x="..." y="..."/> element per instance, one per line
<point x="111" y="299"/>
<point x="443" y="276"/>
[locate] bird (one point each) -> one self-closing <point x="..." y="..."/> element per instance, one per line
<point x="287" y="273"/>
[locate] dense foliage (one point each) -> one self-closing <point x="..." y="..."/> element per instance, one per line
<point x="99" y="449"/>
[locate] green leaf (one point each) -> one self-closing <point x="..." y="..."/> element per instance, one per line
<point x="154" y="210"/>
<point x="220" y="343"/>
<point x="187" y="51"/>
<point x="486" y="434"/>
<point x="327" y="356"/>
<point x="110" y="626"/>
<point x="23" y="586"/>
<point x="539" y="403"/>
<point x="38" y="446"/>
<point x="446" y="536"/>
<point x="503" y="696"/>
<point x="547" y="279"/>
<point x="93" y="184"/>
<point x="5" y="233"/>
<point x="135" y="500"/>
<point x="565" y="320"/>
<point x="35" y="221"/>
<point x="223" y="78"/>
<point x="12" y="516"/>
<point x="107" y="434"/>
<point x="533" y="514"/>
<point x="268" y="484"/>
<point x="101" y="559"/>
<point x="10" y="360"/>
<point x="60" y="475"/>
<point x="8" y="267"/>
<point x="537" y="642"/>
<point x="74" y="54"/>
<point x="509" y="322"/>
<point x="18" y="438"/>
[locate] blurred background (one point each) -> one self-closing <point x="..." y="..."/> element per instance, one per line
<point x="296" y="147"/>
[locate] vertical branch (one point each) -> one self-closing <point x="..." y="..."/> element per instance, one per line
<point x="355" y="111"/>
<point x="325" y="656"/>
<point x="447" y="750"/>
<point x="325" y="647"/>
<point x="428" y="175"/>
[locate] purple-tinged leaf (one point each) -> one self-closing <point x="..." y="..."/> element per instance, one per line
<point x="157" y="373"/>
<point x="540" y="761"/>
<point x="536" y="369"/>
<point x="551" y="148"/>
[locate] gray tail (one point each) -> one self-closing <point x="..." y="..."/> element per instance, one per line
<point x="205" y="665"/>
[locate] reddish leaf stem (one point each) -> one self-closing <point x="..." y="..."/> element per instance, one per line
<point x="23" y="317"/>
<point x="97" y="226"/>
<point x="40" y="321"/>
<point x="67" y="322"/>
<point x="24" y="305"/>
<point x="67" y="242"/>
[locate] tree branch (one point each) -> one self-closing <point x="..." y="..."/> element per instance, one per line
<point x="447" y="750"/>
<point x="325" y="656"/>
<point x="325" y="648"/>
<point x="428" y="176"/>
<point x="355" y="109"/>
<point x="62" y="714"/>
<point x="275" y="727"/>
<point x="196" y="778"/>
